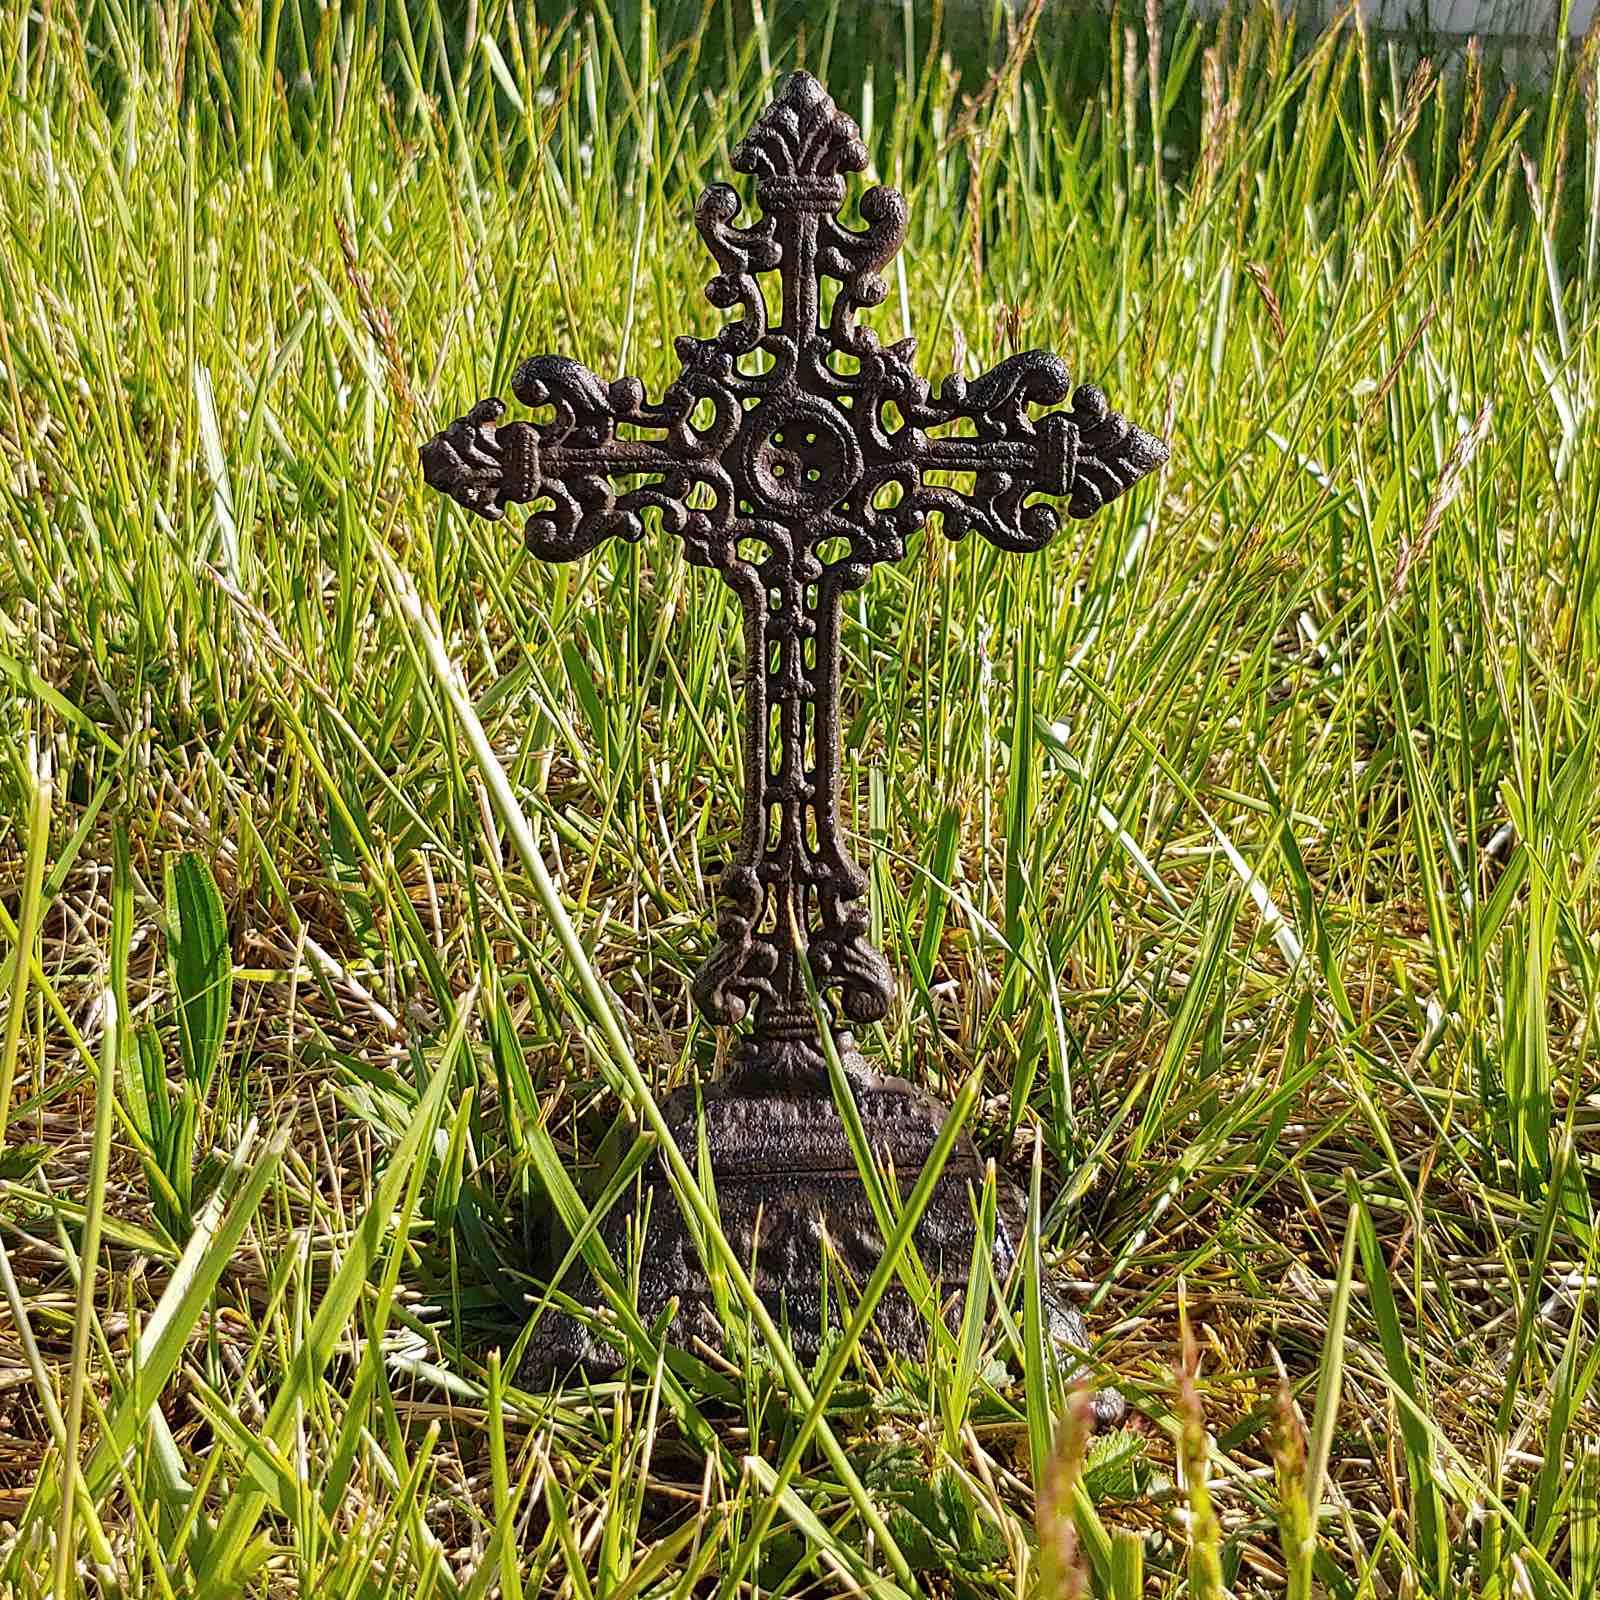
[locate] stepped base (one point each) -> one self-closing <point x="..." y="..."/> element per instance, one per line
<point x="785" y="1178"/>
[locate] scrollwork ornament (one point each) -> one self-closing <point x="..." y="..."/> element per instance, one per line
<point x="798" y="451"/>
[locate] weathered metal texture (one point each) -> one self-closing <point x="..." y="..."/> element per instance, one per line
<point x="792" y="454"/>
<point x="791" y="1202"/>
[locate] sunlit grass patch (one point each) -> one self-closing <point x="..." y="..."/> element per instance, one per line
<point x="1237" y="855"/>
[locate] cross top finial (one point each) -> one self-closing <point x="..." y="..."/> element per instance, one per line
<point x="799" y="148"/>
<point x="782" y="437"/>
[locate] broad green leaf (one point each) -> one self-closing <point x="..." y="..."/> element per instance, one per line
<point x="201" y="964"/>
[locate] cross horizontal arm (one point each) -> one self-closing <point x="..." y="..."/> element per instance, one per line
<point x="571" y="460"/>
<point x="1087" y="456"/>
<point x="486" y="466"/>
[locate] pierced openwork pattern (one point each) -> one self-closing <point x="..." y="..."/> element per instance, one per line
<point x="808" y="432"/>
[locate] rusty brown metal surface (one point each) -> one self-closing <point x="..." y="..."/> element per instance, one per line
<point x="792" y="454"/>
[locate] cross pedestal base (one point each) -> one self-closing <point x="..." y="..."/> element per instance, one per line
<point x="791" y="1200"/>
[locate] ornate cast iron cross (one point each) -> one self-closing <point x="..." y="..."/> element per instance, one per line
<point x="792" y="456"/>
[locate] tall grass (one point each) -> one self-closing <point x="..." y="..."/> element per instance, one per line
<point x="1238" y="854"/>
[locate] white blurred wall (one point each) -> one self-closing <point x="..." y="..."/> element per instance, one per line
<point x="1531" y="21"/>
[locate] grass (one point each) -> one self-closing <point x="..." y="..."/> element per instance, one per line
<point x="1238" y="855"/>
